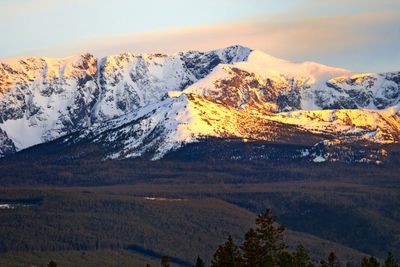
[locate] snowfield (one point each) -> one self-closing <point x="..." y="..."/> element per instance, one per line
<point x="155" y="103"/>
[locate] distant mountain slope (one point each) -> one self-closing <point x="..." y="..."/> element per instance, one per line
<point x="42" y="99"/>
<point x="151" y="104"/>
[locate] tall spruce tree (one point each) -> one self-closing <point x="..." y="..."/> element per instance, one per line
<point x="285" y="259"/>
<point x="251" y="249"/>
<point x="391" y="261"/>
<point x="301" y="257"/>
<point x="369" y="262"/>
<point x="271" y="236"/>
<point x="227" y="255"/>
<point x="165" y="261"/>
<point x="199" y="262"/>
<point x="332" y="261"/>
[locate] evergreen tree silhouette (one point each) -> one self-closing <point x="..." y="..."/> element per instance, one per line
<point x="391" y="261"/>
<point x="199" y="262"/>
<point x="251" y="249"/>
<point x="369" y="262"/>
<point x="227" y="255"/>
<point x="271" y="236"/>
<point x="164" y="261"/>
<point x="301" y="257"/>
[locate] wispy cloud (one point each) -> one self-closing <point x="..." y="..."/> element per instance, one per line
<point x="357" y="34"/>
<point x="331" y="39"/>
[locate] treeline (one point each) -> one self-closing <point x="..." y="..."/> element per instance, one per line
<point x="18" y="170"/>
<point x="264" y="246"/>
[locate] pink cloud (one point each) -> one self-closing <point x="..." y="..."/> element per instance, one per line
<point x="295" y="39"/>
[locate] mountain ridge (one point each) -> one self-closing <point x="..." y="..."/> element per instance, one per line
<point x="166" y="101"/>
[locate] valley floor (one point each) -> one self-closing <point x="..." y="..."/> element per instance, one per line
<point x="186" y="209"/>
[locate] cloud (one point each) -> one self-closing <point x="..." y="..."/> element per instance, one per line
<point x="361" y="35"/>
<point x="330" y="40"/>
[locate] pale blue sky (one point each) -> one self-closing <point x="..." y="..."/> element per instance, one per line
<point x="28" y="24"/>
<point x="361" y="35"/>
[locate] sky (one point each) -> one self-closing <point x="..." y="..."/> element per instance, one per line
<point x="361" y="35"/>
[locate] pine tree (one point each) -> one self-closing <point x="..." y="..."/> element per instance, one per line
<point x="227" y="255"/>
<point x="199" y="262"/>
<point x="251" y="248"/>
<point x="269" y="261"/>
<point x="271" y="236"/>
<point x="301" y="258"/>
<point x="165" y="261"/>
<point x="285" y="259"/>
<point x="333" y="261"/>
<point x="323" y="263"/>
<point x="391" y="261"/>
<point x="369" y="262"/>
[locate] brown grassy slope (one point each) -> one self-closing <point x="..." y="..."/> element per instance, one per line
<point x="89" y="219"/>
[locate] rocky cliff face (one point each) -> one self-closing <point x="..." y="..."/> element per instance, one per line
<point x="154" y="103"/>
<point x="42" y="99"/>
<point x="6" y="144"/>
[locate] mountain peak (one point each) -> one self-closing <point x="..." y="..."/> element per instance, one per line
<point x="233" y="91"/>
<point x="261" y="62"/>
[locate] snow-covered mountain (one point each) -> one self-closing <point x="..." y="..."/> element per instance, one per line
<point x="42" y="99"/>
<point x="151" y="104"/>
